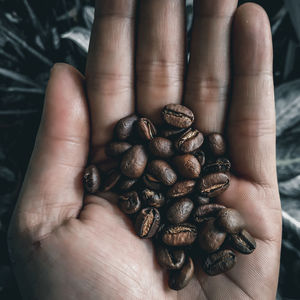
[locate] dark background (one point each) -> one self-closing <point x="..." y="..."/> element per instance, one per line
<point x="34" y="34"/>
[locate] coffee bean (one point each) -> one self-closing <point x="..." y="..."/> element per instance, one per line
<point x="108" y="164"/>
<point x="220" y="165"/>
<point x="114" y="149"/>
<point x="161" y="147"/>
<point x="126" y="184"/>
<point x="153" y="198"/>
<point x="134" y="162"/>
<point x="147" y="222"/>
<point x="230" y="220"/>
<point x="170" y="258"/>
<point x="207" y="211"/>
<point x="210" y="238"/>
<point x="200" y="155"/>
<point x="179" y="279"/>
<point x="110" y="180"/>
<point x="180" y="211"/>
<point x="91" y="179"/>
<point x="162" y="171"/>
<point x="187" y="166"/>
<point x="177" y="115"/>
<point x="189" y="141"/>
<point x="216" y="144"/>
<point x="130" y="203"/>
<point x="181" y="189"/>
<point x="124" y="127"/>
<point x="146" y="129"/>
<point x="243" y="242"/>
<point x="152" y="183"/>
<point x="212" y="185"/>
<point x="219" y="262"/>
<point x="199" y="200"/>
<point x="170" y="132"/>
<point x="179" y="235"/>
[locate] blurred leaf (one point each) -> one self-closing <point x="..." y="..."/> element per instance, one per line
<point x="17" y="77"/>
<point x="293" y="7"/>
<point x="88" y="16"/>
<point x="290" y="187"/>
<point x="80" y="36"/>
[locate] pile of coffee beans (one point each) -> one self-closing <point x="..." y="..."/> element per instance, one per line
<point x="167" y="179"/>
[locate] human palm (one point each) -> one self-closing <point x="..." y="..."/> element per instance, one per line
<point x="65" y="245"/>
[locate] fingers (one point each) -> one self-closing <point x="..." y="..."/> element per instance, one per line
<point x="208" y="72"/>
<point x="160" y="55"/>
<point x="109" y="70"/>
<point x="251" y="124"/>
<point x="52" y="191"/>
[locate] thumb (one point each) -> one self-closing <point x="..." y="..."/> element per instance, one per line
<point x="52" y="191"/>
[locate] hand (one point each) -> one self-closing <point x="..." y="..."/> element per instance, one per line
<point x="65" y="245"/>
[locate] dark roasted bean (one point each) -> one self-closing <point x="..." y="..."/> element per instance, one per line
<point x="147" y="222"/>
<point x="178" y="115"/>
<point x="220" y="165"/>
<point x="108" y="164"/>
<point x="161" y="147"/>
<point x="114" y="149"/>
<point x="162" y="171"/>
<point x="201" y="200"/>
<point x="216" y="144"/>
<point x="189" y="141"/>
<point x="170" y="258"/>
<point x="130" y="203"/>
<point x="243" y="242"/>
<point x="210" y="238"/>
<point x="146" y="129"/>
<point x="134" y="162"/>
<point x="230" y="220"/>
<point x="179" y="279"/>
<point x="171" y="132"/>
<point x="219" y="262"/>
<point x="126" y="184"/>
<point x="181" y="189"/>
<point x="153" y="198"/>
<point x="91" y="179"/>
<point x="187" y="166"/>
<point x="124" y="127"/>
<point x="200" y="155"/>
<point x="207" y="211"/>
<point x="180" y="211"/>
<point x="179" y="235"/>
<point x="151" y="182"/>
<point x="212" y="185"/>
<point x="111" y="179"/>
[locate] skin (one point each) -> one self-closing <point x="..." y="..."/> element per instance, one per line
<point x="65" y="245"/>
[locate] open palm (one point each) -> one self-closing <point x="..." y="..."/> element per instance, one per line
<point x="65" y="245"/>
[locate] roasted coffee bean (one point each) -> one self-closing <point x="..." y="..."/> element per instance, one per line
<point x="187" y="166"/>
<point x="177" y="115"/>
<point x="219" y="262"/>
<point x="199" y="200"/>
<point x="108" y="164"/>
<point x="243" y="242"/>
<point x="124" y="128"/>
<point x="207" y="211"/>
<point x="152" y="183"/>
<point x="179" y="279"/>
<point x="200" y="155"/>
<point x="91" y="179"/>
<point x="220" y="165"/>
<point x="170" y="132"/>
<point x="216" y="144"/>
<point x="161" y="170"/>
<point x="130" y="203"/>
<point x="147" y="222"/>
<point x="179" y="235"/>
<point x="210" y="238"/>
<point x="114" y="149"/>
<point x="170" y="258"/>
<point x="189" y="141"/>
<point x="134" y="162"/>
<point x="181" y="189"/>
<point x="212" y="185"/>
<point x="146" y="129"/>
<point x="110" y="180"/>
<point x="161" y="147"/>
<point x="180" y="211"/>
<point x="153" y="198"/>
<point x="126" y="184"/>
<point x="230" y="220"/>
